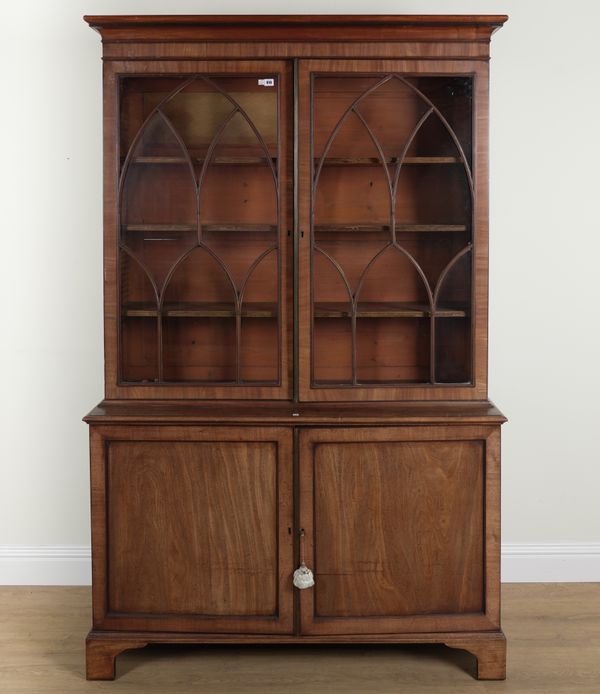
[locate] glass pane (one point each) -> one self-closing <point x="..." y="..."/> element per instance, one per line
<point x="453" y="323"/>
<point x="352" y="184"/>
<point x="199" y="321"/>
<point x="392" y="350"/>
<point x="238" y="185"/>
<point x="453" y="99"/>
<point x="391" y="209"/>
<point x="393" y="310"/>
<point x="138" y="327"/>
<point x="198" y="347"/>
<point x="158" y="200"/>
<point x="199" y="212"/>
<point x="332" y="324"/>
<point x="332" y="347"/>
<point x="392" y="111"/>
<point x="259" y="323"/>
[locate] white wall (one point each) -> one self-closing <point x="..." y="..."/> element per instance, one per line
<point x="545" y="239"/>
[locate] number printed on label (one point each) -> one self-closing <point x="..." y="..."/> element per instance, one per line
<point x="266" y="82"/>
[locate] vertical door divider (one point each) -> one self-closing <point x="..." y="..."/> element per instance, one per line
<point x="295" y="235"/>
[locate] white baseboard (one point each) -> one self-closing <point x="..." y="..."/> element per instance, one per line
<point x="521" y="563"/>
<point x="573" y="562"/>
<point x="59" y="565"/>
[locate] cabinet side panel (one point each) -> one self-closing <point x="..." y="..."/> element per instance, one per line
<point x="481" y="226"/>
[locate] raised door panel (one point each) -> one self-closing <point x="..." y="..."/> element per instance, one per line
<point x="197" y="531"/>
<point x="393" y="213"/>
<point x="394" y="526"/>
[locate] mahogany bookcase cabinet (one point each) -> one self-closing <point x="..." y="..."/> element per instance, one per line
<point x="295" y="283"/>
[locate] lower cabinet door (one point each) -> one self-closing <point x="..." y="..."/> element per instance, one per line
<point x="192" y="529"/>
<point x="401" y="529"/>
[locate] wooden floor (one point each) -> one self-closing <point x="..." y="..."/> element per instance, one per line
<point x="553" y="633"/>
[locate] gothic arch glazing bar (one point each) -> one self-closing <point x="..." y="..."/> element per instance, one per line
<point x="422" y="206"/>
<point x="199" y="309"/>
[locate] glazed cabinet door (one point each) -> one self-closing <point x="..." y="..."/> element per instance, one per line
<point x="400" y="529"/>
<point x="393" y="220"/>
<point x="197" y="238"/>
<point x="192" y="529"/>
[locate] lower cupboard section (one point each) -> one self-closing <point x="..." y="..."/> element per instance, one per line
<point x="198" y="530"/>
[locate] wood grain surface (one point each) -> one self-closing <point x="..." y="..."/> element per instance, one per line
<point x="388" y="511"/>
<point x="192" y="529"/>
<point x="281" y="28"/>
<point x="197" y="509"/>
<point x="298" y="414"/>
<point x="393" y="517"/>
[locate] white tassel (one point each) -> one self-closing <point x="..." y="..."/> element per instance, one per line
<point x="303" y="577"/>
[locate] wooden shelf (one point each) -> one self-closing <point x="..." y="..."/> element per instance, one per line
<point x="159" y="160"/>
<point x="386" y="310"/>
<point x="265" y="310"/>
<point x="270" y="228"/>
<point x="390" y="161"/>
<point x="199" y="310"/>
<point x="378" y="228"/>
<point x="178" y="228"/>
<point x="367" y="382"/>
<point x="240" y="160"/>
<point x="160" y="227"/>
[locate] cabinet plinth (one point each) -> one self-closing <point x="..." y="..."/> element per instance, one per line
<point x="295" y="276"/>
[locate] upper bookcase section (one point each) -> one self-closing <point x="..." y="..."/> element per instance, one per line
<point x="463" y="37"/>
